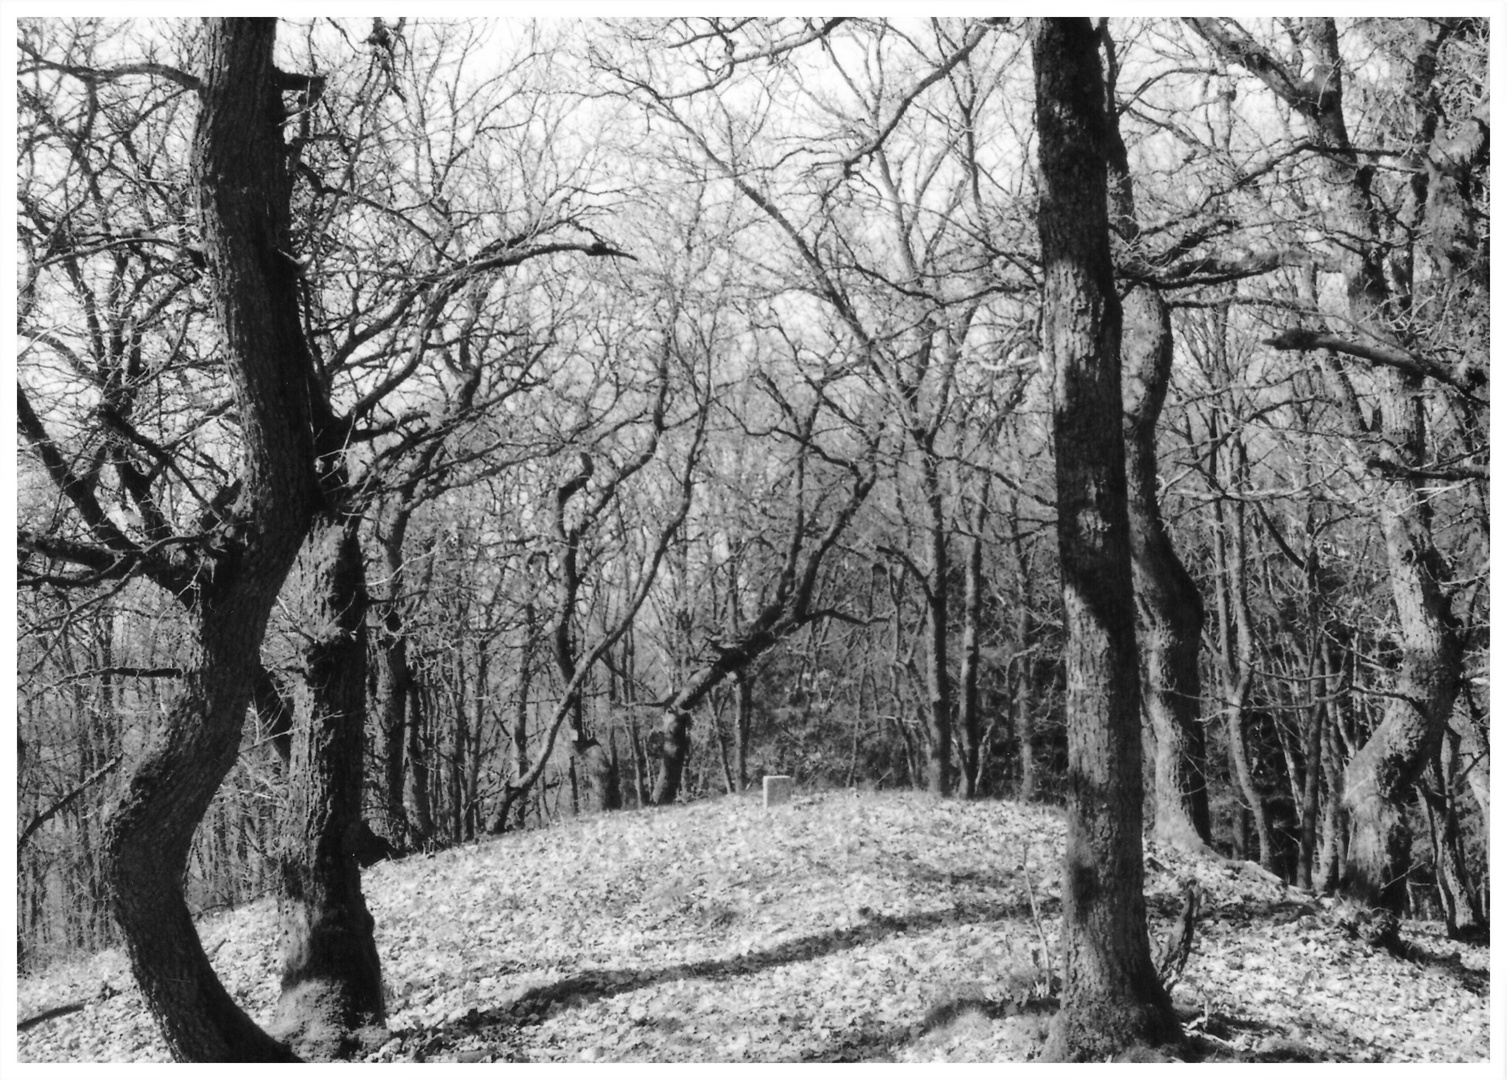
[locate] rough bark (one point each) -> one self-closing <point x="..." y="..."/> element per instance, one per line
<point x="331" y="1003"/>
<point x="1170" y="608"/>
<point x="1171" y="612"/>
<point x="1111" y="996"/>
<point x="1380" y="779"/>
<point x="242" y="186"/>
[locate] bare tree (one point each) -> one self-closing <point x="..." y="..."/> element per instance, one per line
<point x="1111" y="995"/>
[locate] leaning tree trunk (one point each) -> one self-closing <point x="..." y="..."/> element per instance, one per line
<point x="331" y="1004"/>
<point x="242" y="192"/>
<point x="1171" y="610"/>
<point x="1380" y="299"/>
<point x="1111" y="995"/>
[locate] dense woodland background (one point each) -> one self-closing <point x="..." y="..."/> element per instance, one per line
<point x="695" y="393"/>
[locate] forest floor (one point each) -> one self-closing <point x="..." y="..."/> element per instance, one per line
<point x="838" y="927"/>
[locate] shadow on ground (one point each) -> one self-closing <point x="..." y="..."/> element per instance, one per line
<point x="496" y="1028"/>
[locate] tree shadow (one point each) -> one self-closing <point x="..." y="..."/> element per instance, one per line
<point x="1448" y="963"/>
<point x="882" y="1043"/>
<point x="495" y="1025"/>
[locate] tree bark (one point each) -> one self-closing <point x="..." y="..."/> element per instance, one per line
<point x="1170" y="608"/>
<point x="1111" y="995"/>
<point x="1380" y="778"/>
<point x="331" y="1003"/>
<point x="1171" y="611"/>
<point x="240" y="175"/>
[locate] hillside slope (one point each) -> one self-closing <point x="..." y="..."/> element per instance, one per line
<point x="841" y="926"/>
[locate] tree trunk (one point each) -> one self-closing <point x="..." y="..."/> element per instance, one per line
<point x="1111" y="997"/>
<point x="938" y="678"/>
<point x="240" y="176"/>
<point x="331" y="1004"/>
<point x="674" y="738"/>
<point x="597" y="774"/>
<point x="1021" y="698"/>
<point x="418" y="804"/>
<point x="1313" y="750"/>
<point x="744" y="684"/>
<point x="1457" y="896"/>
<point x="518" y="729"/>
<point x="1236" y="659"/>
<point x="1378" y="278"/>
<point x="1171" y="611"/>
<point x="970" y="722"/>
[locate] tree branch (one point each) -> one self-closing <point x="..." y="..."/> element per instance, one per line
<point x="40" y="819"/>
<point x="1300" y="340"/>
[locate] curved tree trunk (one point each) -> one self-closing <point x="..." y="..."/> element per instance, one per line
<point x="1171" y="611"/>
<point x="1378" y="278"/>
<point x="239" y="171"/>
<point x="1111" y="997"/>
<point x="331" y="1001"/>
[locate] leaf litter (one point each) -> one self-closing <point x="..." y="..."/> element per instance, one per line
<point x="841" y="926"/>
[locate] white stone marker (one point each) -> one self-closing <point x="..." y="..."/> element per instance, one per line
<point x="776" y="790"/>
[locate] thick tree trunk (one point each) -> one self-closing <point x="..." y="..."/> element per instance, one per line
<point x="331" y="1003"/>
<point x="1380" y="778"/>
<point x="239" y="172"/>
<point x="1378" y="278"/>
<point x="1111" y="997"/>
